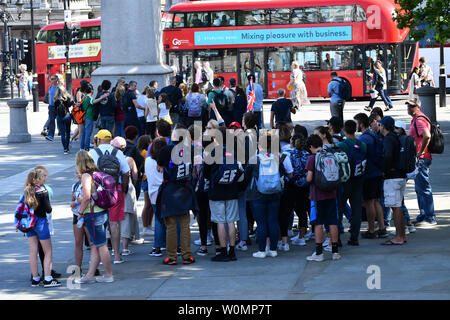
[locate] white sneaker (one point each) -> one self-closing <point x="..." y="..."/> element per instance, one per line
<point x="290" y="233"/>
<point x="259" y="254"/>
<point x="314" y="257"/>
<point x="198" y="242"/>
<point x="118" y="261"/>
<point x="272" y="254"/>
<point x="296" y="237"/>
<point x="326" y="242"/>
<point x="242" y="246"/>
<point x="309" y="236"/>
<point x="104" y="279"/>
<point x="85" y="279"/>
<point x="336" y="256"/>
<point x="299" y="242"/>
<point x="284" y="247"/>
<point x="411" y="229"/>
<point x="148" y="232"/>
<point x="328" y="248"/>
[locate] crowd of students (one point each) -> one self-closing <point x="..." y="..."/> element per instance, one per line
<point x="207" y="155"/>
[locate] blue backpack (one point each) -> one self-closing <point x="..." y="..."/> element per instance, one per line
<point x="298" y="160"/>
<point x="24" y="218"/>
<point x="195" y="109"/>
<point x="376" y="156"/>
<point x="344" y="89"/>
<point x="227" y="172"/>
<point x="357" y="159"/>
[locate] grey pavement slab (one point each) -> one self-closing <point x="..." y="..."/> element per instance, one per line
<point x="418" y="270"/>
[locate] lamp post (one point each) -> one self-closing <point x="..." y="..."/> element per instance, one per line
<point x="7" y="85"/>
<point x="33" y="55"/>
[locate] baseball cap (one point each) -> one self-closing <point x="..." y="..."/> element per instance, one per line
<point x="118" y="142"/>
<point x="104" y="135"/>
<point x="235" y="124"/>
<point x="388" y="122"/>
<point x="413" y="102"/>
<point x="400" y="124"/>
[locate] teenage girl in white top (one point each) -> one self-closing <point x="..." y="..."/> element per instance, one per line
<point x="164" y="107"/>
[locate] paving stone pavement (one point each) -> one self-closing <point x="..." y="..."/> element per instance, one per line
<point x="418" y="270"/>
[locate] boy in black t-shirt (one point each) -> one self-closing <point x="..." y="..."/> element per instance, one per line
<point x="281" y="109"/>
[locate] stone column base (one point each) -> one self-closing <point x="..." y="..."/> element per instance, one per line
<point x="142" y="74"/>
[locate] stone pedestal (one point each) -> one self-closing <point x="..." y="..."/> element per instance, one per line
<point x="132" y="43"/>
<point x="18" y="125"/>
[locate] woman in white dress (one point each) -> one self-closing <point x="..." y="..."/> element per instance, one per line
<point x="414" y="83"/>
<point x="299" y="95"/>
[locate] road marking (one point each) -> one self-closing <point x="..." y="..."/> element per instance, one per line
<point x="16" y="182"/>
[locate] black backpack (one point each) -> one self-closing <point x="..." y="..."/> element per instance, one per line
<point x="108" y="163"/>
<point x="221" y="101"/>
<point x="204" y="76"/>
<point x="125" y="103"/>
<point x="345" y="91"/>
<point x="436" y="144"/>
<point x="407" y="154"/>
<point x="62" y="107"/>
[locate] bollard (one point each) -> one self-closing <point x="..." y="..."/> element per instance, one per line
<point x="18" y="125"/>
<point x="427" y="96"/>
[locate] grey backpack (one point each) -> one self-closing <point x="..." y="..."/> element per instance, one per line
<point x="326" y="173"/>
<point x="109" y="163"/>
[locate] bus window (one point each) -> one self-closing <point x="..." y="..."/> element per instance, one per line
<point x="198" y="19"/>
<point x="223" y="19"/>
<point x="51" y="36"/>
<point x="279" y="60"/>
<point x="85" y="34"/>
<point x="41" y="37"/>
<point x="360" y="14"/>
<point x="167" y="21"/>
<point x="95" y="33"/>
<point x="253" y="17"/>
<point x="221" y="61"/>
<point x="178" y="21"/>
<point x="337" y="14"/>
<point x="308" y="58"/>
<point x="280" y="16"/>
<point x="83" y="70"/>
<point x="305" y="15"/>
<point x="337" y="58"/>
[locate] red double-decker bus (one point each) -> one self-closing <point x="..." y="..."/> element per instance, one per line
<point x="263" y="37"/>
<point x="84" y="57"/>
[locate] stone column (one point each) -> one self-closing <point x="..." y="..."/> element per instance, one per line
<point x="132" y="43"/>
<point x="18" y="125"/>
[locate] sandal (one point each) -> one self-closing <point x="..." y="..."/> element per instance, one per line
<point x="126" y="252"/>
<point x="391" y="243"/>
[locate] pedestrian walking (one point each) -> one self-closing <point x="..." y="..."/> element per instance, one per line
<point x="299" y="94"/>
<point x="63" y="102"/>
<point x="414" y="83"/>
<point x="379" y="87"/>
<point x="49" y="127"/>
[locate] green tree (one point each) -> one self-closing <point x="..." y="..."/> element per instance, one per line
<point x="434" y="13"/>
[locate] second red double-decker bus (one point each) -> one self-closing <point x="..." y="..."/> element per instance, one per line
<point x="264" y="37"/>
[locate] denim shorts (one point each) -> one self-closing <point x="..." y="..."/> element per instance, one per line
<point x="98" y="237"/>
<point x="40" y="230"/>
<point x="144" y="186"/>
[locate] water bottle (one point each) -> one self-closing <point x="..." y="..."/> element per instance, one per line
<point x="80" y="222"/>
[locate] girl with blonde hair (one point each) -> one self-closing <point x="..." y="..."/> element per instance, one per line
<point x="119" y="130"/>
<point x="36" y="196"/>
<point x="95" y="219"/>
